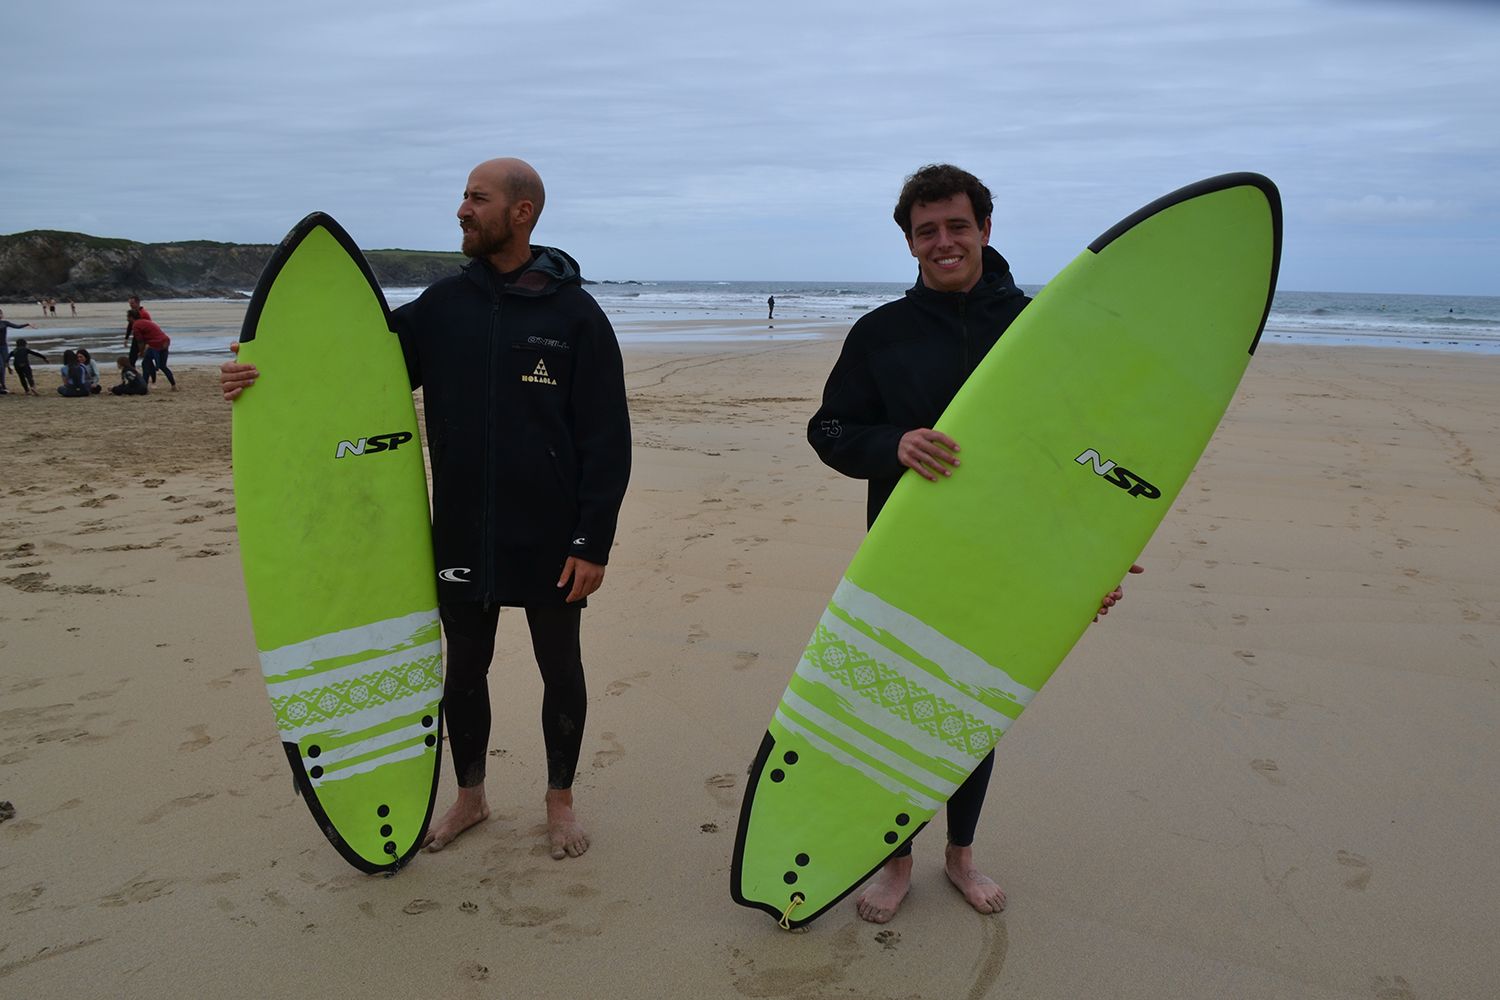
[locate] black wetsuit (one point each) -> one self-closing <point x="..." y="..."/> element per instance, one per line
<point x="901" y="366"/>
<point x="529" y="437"/>
<point x="20" y="360"/>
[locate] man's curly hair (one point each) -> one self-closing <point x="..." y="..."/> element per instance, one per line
<point x="936" y="182"/>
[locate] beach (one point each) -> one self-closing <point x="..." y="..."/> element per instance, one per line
<point x="1268" y="773"/>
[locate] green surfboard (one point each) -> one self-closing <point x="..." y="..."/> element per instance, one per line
<point x="336" y="540"/>
<point x="1078" y="431"/>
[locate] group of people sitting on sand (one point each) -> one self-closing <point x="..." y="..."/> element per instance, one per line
<point x="147" y="342"/>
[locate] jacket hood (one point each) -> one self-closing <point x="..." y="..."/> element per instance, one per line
<point x="549" y="270"/>
<point x="995" y="280"/>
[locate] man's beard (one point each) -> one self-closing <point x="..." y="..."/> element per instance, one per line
<point x="479" y="242"/>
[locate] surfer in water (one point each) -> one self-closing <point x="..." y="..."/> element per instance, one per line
<point x="900" y="367"/>
<point x="530" y="460"/>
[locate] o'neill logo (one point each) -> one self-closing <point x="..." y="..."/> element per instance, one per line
<point x="1121" y="477"/>
<point x="454" y="575"/>
<point x="375" y="443"/>
<point x="539" y="374"/>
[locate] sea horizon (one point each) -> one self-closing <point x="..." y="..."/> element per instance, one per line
<point x="706" y="312"/>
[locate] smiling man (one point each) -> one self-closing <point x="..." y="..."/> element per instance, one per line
<point x="529" y="438"/>
<point x="901" y="366"/>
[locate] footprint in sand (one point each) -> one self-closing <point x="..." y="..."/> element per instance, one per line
<point x="417" y="906"/>
<point x="100" y="501"/>
<point x="200" y="740"/>
<point x="138" y="891"/>
<point x="1362" y="870"/>
<point x="468" y="906"/>
<point x="615" y="753"/>
<point x="1267" y="769"/>
<point x="888" y="939"/>
<point x="152" y="483"/>
<point x="183" y="802"/>
<point x="721" y="787"/>
<point x="745" y="659"/>
<point x="624" y="684"/>
<point x="695" y="632"/>
<point x="709" y="828"/>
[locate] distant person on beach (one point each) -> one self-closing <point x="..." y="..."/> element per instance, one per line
<point x="900" y="367"/>
<point x="131" y="383"/>
<point x="530" y="460"/>
<point x="20" y="363"/>
<point x="5" y="327"/>
<point x="156" y="345"/>
<point x="132" y="342"/>
<point x="75" y="380"/>
<point x="90" y="370"/>
<point x="770" y="307"/>
<point x="73" y="306"/>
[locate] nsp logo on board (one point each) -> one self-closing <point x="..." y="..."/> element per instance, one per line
<point x="1121" y="477"/>
<point x="374" y="443"/>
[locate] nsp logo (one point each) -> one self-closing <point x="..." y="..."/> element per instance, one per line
<point x="1121" y="477"/>
<point x="374" y="443"/>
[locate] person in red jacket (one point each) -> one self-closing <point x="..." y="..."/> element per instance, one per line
<point x="156" y="343"/>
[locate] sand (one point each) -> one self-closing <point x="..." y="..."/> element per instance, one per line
<point x="1269" y="773"/>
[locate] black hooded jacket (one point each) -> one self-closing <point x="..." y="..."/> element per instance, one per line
<point x="527" y="427"/>
<point x="901" y="366"/>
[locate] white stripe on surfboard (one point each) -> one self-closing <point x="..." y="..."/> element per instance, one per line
<point x="880" y="718"/>
<point x="890" y="784"/>
<point x="329" y="678"/>
<point x="366" y="718"/>
<point x="956" y="696"/>
<point x="347" y="642"/>
<point x="365" y="767"/>
<point x="959" y="662"/>
<point x="328" y="758"/>
<point x="940" y="786"/>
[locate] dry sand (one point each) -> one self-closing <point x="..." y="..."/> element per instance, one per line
<point x="1270" y="773"/>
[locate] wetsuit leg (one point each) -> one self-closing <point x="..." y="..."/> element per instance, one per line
<point x="554" y="639"/>
<point x="161" y="365"/>
<point x="470" y="630"/>
<point x="964" y="807"/>
<point x="967" y="802"/>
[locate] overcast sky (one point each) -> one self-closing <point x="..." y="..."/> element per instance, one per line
<point x="765" y="139"/>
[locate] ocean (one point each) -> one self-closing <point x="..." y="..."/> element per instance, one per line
<point x="692" y="313"/>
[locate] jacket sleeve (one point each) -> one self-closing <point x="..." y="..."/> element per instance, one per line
<point x="403" y="325"/>
<point x="601" y="437"/>
<point x="850" y="432"/>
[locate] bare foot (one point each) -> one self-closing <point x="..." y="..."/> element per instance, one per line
<point x="470" y="809"/>
<point x="882" y="897"/>
<point x="564" y="832"/>
<point x="978" y="888"/>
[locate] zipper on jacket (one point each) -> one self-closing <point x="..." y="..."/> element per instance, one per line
<point x="487" y="539"/>
<point x="963" y="334"/>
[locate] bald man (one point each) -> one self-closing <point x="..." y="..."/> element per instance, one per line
<point x="529" y="438"/>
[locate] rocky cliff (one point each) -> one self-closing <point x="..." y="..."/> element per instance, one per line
<point x="49" y="264"/>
